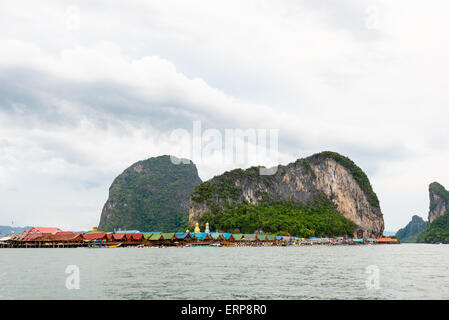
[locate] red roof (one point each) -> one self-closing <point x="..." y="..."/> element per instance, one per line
<point x="116" y="236"/>
<point x="46" y="237"/>
<point x="65" y="233"/>
<point x="134" y="236"/>
<point x="94" y="236"/>
<point x="59" y="236"/>
<point x="67" y="236"/>
<point x="31" y="237"/>
<point x="43" y="230"/>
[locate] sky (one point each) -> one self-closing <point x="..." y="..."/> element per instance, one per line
<point x="88" y="88"/>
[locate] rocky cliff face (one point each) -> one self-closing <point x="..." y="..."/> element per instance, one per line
<point x="326" y="174"/>
<point x="151" y="195"/>
<point x="439" y="201"/>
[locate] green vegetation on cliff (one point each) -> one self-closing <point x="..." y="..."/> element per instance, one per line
<point x="413" y="231"/>
<point x="151" y="195"/>
<point x="439" y="190"/>
<point x="356" y="172"/>
<point x="224" y="187"/>
<point x="316" y="218"/>
<point x="307" y="166"/>
<point x="437" y="231"/>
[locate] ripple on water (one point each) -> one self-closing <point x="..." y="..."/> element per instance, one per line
<point x="407" y="271"/>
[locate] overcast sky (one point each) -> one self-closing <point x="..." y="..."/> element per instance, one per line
<point x="87" y="88"/>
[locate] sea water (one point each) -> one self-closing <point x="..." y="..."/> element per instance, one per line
<point x="405" y="271"/>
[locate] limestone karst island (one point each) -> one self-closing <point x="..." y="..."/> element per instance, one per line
<point x="322" y="199"/>
<point x="436" y="229"/>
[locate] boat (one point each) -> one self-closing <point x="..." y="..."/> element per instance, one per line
<point x="100" y="244"/>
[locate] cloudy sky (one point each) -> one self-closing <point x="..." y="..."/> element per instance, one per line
<point x="89" y="87"/>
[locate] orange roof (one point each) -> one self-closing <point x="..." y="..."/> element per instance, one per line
<point x="386" y="239"/>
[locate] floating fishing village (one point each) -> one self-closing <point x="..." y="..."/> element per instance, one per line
<point x="42" y="237"/>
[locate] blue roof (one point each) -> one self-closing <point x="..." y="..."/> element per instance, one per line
<point x="227" y="235"/>
<point x="199" y="235"/>
<point x="181" y="235"/>
<point x="128" y="231"/>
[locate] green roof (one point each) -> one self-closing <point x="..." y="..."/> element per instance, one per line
<point x="261" y="236"/>
<point x="250" y="236"/>
<point x="148" y="235"/>
<point x="155" y="237"/>
<point x="271" y="237"/>
<point x="237" y="236"/>
<point x="168" y="236"/>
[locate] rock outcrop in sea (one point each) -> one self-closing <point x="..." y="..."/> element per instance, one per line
<point x="439" y="201"/>
<point x="151" y="195"/>
<point x="326" y="174"/>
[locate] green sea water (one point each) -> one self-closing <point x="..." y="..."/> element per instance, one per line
<point x="406" y="271"/>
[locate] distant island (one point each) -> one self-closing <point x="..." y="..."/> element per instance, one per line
<point x="413" y="231"/>
<point x="436" y="230"/>
<point x="326" y="194"/>
<point x="4" y="230"/>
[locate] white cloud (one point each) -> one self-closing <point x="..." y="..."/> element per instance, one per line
<point x="78" y="105"/>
